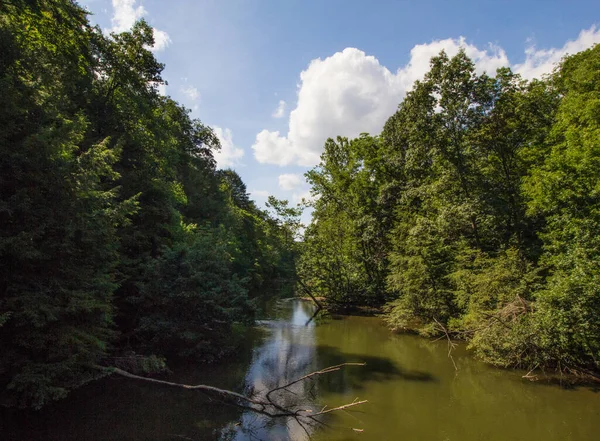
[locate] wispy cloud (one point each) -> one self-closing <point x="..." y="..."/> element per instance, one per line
<point x="191" y="92"/>
<point x="280" y="111"/>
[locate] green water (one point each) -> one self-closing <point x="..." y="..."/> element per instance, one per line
<point x="413" y="389"/>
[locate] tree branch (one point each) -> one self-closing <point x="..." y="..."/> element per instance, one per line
<point x="314" y="299"/>
<point x="266" y="406"/>
<point x="451" y="344"/>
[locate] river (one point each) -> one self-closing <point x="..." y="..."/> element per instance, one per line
<point x="414" y="392"/>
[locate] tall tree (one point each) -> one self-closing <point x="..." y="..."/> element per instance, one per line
<point x="565" y="189"/>
<point x="59" y="205"/>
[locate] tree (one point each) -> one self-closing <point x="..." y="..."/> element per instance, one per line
<point x="190" y="300"/>
<point x="344" y="257"/>
<point x="564" y="188"/>
<point x="59" y="206"/>
<point x="110" y="203"/>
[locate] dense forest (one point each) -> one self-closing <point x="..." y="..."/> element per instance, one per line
<point x="120" y="241"/>
<point x="475" y="214"/>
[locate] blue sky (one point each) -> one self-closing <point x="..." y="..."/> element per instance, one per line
<point x="275" y="78"/>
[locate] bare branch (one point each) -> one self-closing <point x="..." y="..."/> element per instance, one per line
<point x="451" y="344"/>
<point x="203" y="387"/>
<point x="310" y="294"/>
<point x="312" y="374"/>
<point x="266" y="406"/>
<point x="356" y="402"/>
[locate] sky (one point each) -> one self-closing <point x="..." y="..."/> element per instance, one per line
<point x="276" y="78"/>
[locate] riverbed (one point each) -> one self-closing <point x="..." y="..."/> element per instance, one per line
<point x="415" y="392"/>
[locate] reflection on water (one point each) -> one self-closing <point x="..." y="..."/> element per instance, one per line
<point x="286" y="354"/>
<point x="413" y="389"/>
<point x="424" y="398"/>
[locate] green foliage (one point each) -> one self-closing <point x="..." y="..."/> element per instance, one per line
<point x="262" y="247"/>
<point x="463" y="247"/>
<point x="477" y="210"/>
<point x="103" y="186"/>
<point x="59" y="206"/>
<point x="481" y="201"/>
<point x="190" y="299"/>
<point x="344" y="257"/>
<point x="565" y="188"/>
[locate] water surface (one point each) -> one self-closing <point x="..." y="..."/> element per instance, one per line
<point x="415" y="393"/>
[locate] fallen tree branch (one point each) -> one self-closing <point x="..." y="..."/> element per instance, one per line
<point x="451" y="344"/>
<point x="312" y="374"/>
<point x="529" y="376"/>
<point x="314" y="299"/>
<point x="267" y="406"/>
<point x="310" y="294"/>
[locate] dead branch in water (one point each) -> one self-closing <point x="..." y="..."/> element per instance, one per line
<point x="451" y="344"/>
<point x="267" y="406"/>
<point x="529" y="375"/>
<point x="310" y="294"/>
<point x="314" y="299"/>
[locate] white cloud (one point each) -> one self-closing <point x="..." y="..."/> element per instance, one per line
<point x="161" y="40"/>
<point x="350" y="92"/>
<point x="161" y="88"/>
<point x="290" y="181"/>
<point x="271" y="148"/>
<point x="229" y="155"/>
<point x="191" y="92"/>
<point x="542" y="61"/>
<point x="280" y="111"/>
<point x="259" y="194"/>
<point x="126" y="13"/>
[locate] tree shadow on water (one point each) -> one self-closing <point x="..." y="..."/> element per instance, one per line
<point x="570" y="383"/>
<point x="355" y="377"/>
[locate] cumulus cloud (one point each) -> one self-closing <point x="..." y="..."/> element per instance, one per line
<point x="229" y="155"/>
<point x="351" y="92"/>
<point x="272" y="148"/>
<point x="290" y="181"/>
<point x="280" y="111"/>
<point x="542" y="61"/>
<point x="161" y="40"/>
<point x="126" y="13"/>
<point x="191" y="92"/>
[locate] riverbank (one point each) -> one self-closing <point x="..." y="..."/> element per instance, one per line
<point x="344" y="309"/>
<point x="565" y="378"/>
<point x="408" y="380"/>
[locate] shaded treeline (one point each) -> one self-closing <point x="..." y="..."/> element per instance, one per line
<point x="476" y="211"/>
<point x="120" y="241"/>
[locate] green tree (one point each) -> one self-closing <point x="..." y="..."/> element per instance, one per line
<point x="344" y="257"/>
<point x="117" y="233"/>
<point x="59" y="206"/>
<point x="565" y="189"/>
<point x="191" y="300"/>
